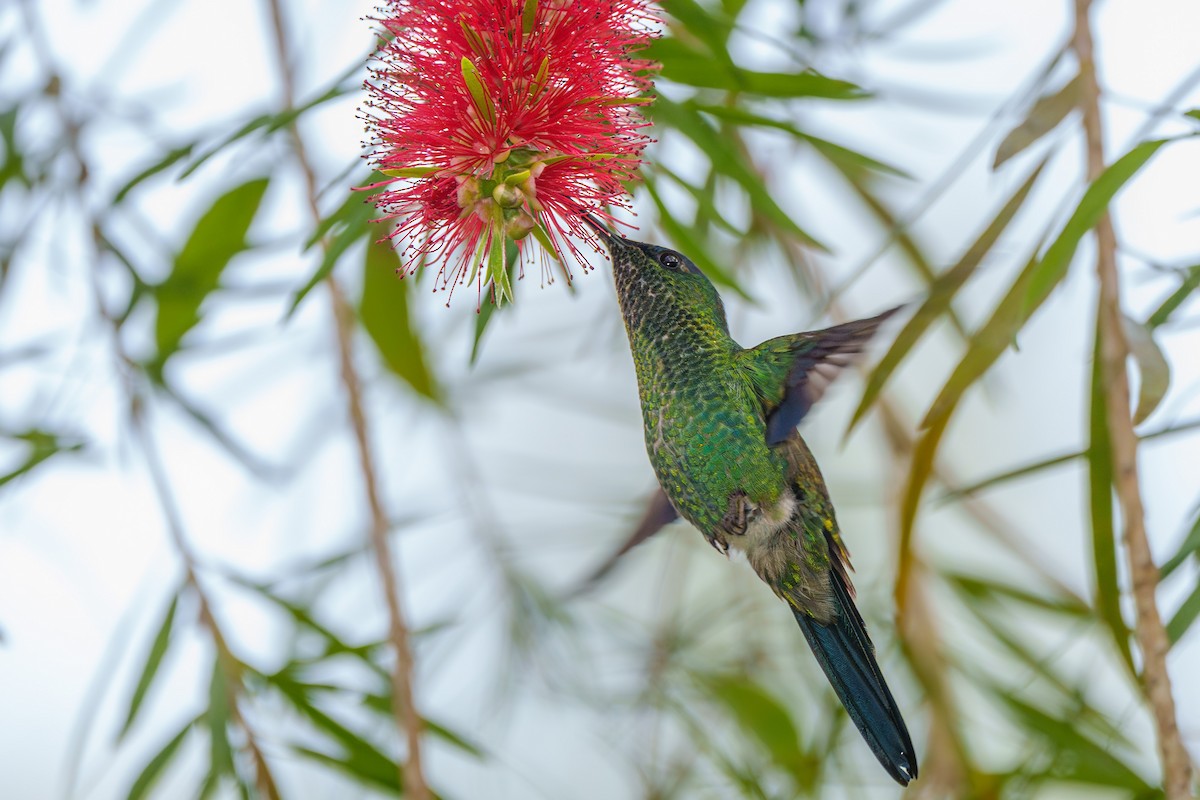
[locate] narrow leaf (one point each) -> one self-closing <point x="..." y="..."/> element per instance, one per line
<point x="354" y="766"/>
<point x="1190" y="546"/>
<point x="479" y="95"/>
<point x="219" y="235"/>
<point x="1154" y="373"/>
<point x="1184" y="617"/>
<point x="217" y="718"/>
<point x="387" y="320"/>
<point x="1105" y="588"/>
<point x="1092" y="206"/>
<point x="1163" y="313"/>
<point x="158" y="649"/>
<point x="166" y="162"/>
<point x="1045" y="116"/>
<point x="941" y="293"/>
<point x="154" y="768"/>
<point x="760" y="716"/>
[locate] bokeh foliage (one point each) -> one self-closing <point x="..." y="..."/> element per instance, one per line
<point x="717" y="715"/>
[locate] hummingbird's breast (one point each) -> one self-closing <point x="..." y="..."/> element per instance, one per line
<point x="705" y="430"/>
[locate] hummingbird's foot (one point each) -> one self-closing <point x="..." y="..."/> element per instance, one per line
<point x="739" y="516"/>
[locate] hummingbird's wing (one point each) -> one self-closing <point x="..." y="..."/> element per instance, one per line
<point x="791" y="373"/>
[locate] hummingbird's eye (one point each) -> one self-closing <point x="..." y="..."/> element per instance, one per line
<point x="670" y="260"/>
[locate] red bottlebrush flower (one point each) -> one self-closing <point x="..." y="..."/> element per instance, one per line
<point x="498" y="119"/>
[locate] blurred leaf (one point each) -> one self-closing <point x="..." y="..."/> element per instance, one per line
<point x="687" y="242"/>
<point x="1057" y="258"/>
<point x="760" y="716"/>
<point x="1163" y="313"/>
<point x="848" y="160"/>
<point x="1053" y="461"/>
<point x="941" y="293"/>
<point x="1194" y="113"/>
<point x="13" y="167"/>
<point x="985" y="588"/>
<point x="1106" y="589"/>
<point x="274" y="122"/>
<point x="219" y="702"/>
<point x="168" y="159"/>
<point x="151" y="772"/>
<point x="345" y="226"/>
<point x="1154" y="373"/>
<point x="1027" y="293"/>
<point x="362" y="758"/>
<point x="356" y="766"/>
<point x="694" y="67"/>
<point x="1185" y="616"/>
<point x="713" y="29"/>
<point x="158" y="649"/>
<point x="382" y="704"/>
<point x="1076" y="757"/>
<point x="42" y="445"/>
<point x="1189" y="546"/>
<point x="1043" y="117"/>
<point x="728" y="162"/>
<point x="219" y="235"/>
<point x="834" y="152"/>
<point x="385" y="317"/>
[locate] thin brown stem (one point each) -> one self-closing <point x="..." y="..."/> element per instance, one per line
<point x="404" y="708"/>
<point x="1114" y="351"/>
<point x="226" y="660"/>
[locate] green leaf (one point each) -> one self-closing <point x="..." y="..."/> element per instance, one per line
<point x="151" y="772"/>
<point x="1091" y="208"/>
<point x="1163" y="313"/>
<point x="168" y="159"/>
<point x="362" y="758"/>
<point x="1076" y="757"/>
<point x="158" y="649"/>
<point x="483" y="315"/>
<point x="219" y="702"/>
<point x="1053" y="461"/>
<point x="727" y="161"/>
<point x="1046" y="115"/>
<point x="1154" y="373"/>
<point x="1194" y="113"/>
<point x="987" y="588"/>
<point x="760" y="716"/>
<point x="1028" y="292"/>
<point x="382" y="704"/>
<point x="355" y="766"/>
<point x="1184" y="617"/>
<point x="1106" y="589"/>
<point x="219" y="235"/>
<point x="269" y="123"/>
<point x="479" y="94"/>
<point x="687" y="242"/>
<point x="693" y="67"/>
<point x="41" y="446"/>
<point x="385" y="317"/>
<point x="941" y="293"/>
<point x="1189" y="546"/>
<point x="349" y="223"/>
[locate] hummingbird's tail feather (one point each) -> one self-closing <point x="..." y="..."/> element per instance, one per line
<point x="847" y="656"/>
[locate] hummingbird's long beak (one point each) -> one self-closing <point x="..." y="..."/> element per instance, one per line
<point x="608" y="236"/>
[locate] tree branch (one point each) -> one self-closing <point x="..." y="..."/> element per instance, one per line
<point x="404" y="709"/>
<point x="1114" y="350"/>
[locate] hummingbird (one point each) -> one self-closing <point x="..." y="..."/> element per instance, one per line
<point x="720" y="426"/>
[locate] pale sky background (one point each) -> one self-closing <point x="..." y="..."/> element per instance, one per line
<point x="550" y="413"/>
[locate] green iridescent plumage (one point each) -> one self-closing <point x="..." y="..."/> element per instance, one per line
<point x="720" y="425"/>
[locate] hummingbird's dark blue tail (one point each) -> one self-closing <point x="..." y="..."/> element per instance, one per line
<point x="847" y="656"/>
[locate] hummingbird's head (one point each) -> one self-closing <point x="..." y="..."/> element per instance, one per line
<point x="652" y="275"/>
<point x="623" y="249"/>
